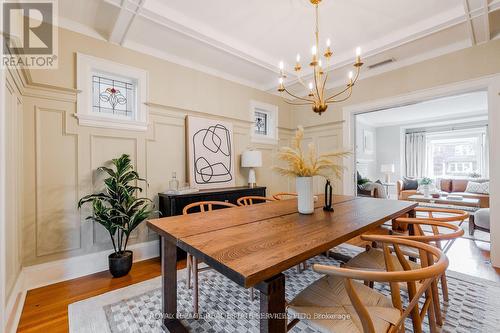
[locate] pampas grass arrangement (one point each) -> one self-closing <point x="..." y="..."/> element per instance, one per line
<point x="309" y="164"/>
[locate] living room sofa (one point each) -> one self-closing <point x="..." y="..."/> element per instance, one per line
<point x="450" y="186"/>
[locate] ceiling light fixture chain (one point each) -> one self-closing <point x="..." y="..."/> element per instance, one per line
<point x="317" y="88"/>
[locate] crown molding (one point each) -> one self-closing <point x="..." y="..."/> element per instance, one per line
<point x="181" y="24"/>
<point x="189" y="64"/>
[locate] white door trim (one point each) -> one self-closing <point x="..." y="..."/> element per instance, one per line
<point x="490" y="83"/>
<point x="3" y="147"/>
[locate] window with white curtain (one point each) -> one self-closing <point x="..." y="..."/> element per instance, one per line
<point x="457" y="153"/>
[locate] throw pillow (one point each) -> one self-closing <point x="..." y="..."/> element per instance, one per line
<point x="409" y="184"/>
<point x="480" y="188"/>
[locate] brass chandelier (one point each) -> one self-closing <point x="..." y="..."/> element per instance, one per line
<point x="317" y="97"/>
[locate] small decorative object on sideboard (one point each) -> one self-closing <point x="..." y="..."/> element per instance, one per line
<point x="119" y="211"/>
<point x="173" y="184"/>
<point x="251" y="159"/>
<point x="436" y="195"/>
<point x="328" y="197"/>
<point x="303" y="166"/>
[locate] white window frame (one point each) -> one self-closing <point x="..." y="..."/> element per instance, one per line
<point x="87" y="66"/>
<point x="480" y="132"/>
<point x="272" y="123"/>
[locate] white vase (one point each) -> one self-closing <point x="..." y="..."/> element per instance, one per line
<point x="305" y="195"/>
<point x="427" y="191"/>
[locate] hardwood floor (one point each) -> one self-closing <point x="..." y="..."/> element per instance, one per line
<point x="46" y="308"/>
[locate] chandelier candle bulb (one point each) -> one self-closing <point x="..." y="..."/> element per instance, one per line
<point x="358" y="57"/>
<point x="314" y="51"/>
<point x="281" y="87"/>
<point x="297" y="64"/>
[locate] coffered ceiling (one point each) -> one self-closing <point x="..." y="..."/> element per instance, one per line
<point x="243" y="41"/>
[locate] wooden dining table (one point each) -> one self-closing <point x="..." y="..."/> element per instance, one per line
<point x="254" y="245"/>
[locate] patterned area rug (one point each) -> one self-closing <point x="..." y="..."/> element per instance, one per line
<point x="226" y="307"/>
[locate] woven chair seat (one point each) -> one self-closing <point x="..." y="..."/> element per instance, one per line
<point x="327" y="307"/>
<point x="374" y="259"/>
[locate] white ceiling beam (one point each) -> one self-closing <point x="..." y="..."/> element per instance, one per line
<point x="478" y="24"/>
<point x="468" y="19"/>
<point x="128" y="11"/>
<point x="486" y="20"/>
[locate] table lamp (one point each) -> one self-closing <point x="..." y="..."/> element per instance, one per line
<point x="387" y="169"/>
<point x="251" y="159"/>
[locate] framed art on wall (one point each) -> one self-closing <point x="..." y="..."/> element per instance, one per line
<point x="210" y="153"/>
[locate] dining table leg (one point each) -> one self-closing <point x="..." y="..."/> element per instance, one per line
<point x="272" y="305"/>
<point x="171" y="323"/>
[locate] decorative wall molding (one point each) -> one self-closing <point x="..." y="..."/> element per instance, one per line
<point x="38" y="178"/>
<point x="181" y="113"/>
<point x="323" y="126"/>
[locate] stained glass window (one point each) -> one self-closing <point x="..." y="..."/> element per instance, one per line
<point x="260" y="123"/>
<point x="112" y="96"/>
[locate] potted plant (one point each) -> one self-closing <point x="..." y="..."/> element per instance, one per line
<point x="304" y="165"/>
<point x="119" y="211"/>
<point x="425" y="186"/>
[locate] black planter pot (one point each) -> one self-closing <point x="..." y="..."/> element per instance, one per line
<point x="120" y="264"/>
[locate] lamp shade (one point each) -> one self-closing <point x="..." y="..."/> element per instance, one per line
<point x="387" y="168"/>
<point x="251" y="159"/>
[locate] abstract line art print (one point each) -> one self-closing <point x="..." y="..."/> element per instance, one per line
<point x="210" y="153"/>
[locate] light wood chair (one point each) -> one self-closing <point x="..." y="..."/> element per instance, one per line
<point x="249" y="200"/>
<point x="374" y="258"/>
<point x="337" y="303"/>
<point x="192" y="261"/>
<point x="284" y="195"/>
<point x="451" y="215"/>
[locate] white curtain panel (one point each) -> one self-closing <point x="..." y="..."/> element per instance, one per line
<point x="415" y="154"/>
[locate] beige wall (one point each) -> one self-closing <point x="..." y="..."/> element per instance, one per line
<point x="60" y="156"/>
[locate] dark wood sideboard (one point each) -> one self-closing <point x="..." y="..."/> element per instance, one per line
<point x="170" y="205"/>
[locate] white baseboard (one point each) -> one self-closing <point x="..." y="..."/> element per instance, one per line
<point x="37" y="276"/>
<point x="15" y="305"/>
<point x="66" y="269"/>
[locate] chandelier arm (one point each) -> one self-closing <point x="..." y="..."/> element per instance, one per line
<point x="357" y="75"/>
<point x="349" y="86"/>
<point x="316" y="33"/>
<point x="297" y="97"/>
<point x="343" y="99"/>
<point x="292" y="103"/>
<point x="316" y="84"/>
<point x="324" y="85"/>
